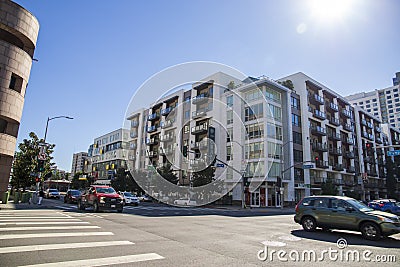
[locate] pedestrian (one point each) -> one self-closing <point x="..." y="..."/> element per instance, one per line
<point x="41" y="195"/>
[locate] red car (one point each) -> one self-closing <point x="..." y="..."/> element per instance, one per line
<point x="101" y="197"/>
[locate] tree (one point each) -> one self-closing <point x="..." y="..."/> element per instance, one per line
<point x="287" y="84"/>
<point x="26" y="162"/>
<point x="393" y="172"/>
<point x="167" y="173"/>
<point x="328" y="188"/>
<point x="76" y="183"/>
<point x="203" y="177"/>
<point x="124" y="181"/>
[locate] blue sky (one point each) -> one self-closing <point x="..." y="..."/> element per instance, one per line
<point x="93" y="54"/>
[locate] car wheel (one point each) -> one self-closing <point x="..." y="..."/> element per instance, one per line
<point x="95" y="207"/>
<point x="370" y="231"/>
<point x="309" y="224"/>
<point x="81" y="206"/>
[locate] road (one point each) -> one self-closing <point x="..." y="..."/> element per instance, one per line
<point x="156" y="235"/>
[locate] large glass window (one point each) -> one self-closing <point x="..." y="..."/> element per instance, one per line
<point x="253" y="112"/>
<point x="229" y="134"/>
<point x="229" y="101"/>
<point x="229" y="117"/>
<point x="274" y="131"/>
<point x="274" y="150"/>
<point x="295" y="103"/>
<point x="275" y="169"/>
<point x="298" y="155"/>
<point x="253" y="95"/>
<point x="276" y="112"/>
<point x="296" y="120"/>
<point x="254" y="131"/>
<point x="272" y="95"/>
<point x="256" y="169"/>
<point x="297" y="138"/>
<point x="229" y="153"/>
<point x="254" y="150"/>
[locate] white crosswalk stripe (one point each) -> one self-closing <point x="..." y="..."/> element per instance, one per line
<point x="41" y="225"/>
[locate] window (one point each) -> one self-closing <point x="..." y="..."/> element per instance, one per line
<point x="374" y="104"/>
<point x="389" y="97"/>
<point x="229" y="135"/>
<point x="367" y="102"/>
<point x="387" y="92"/>
<point x="397" y="109"/>
<point x="369" y="110"/>
<point x="361" y="103"/>
<point x="187" y="114"/>
<point x="253" y="112"/>
<point x="375" y="109"/>
<point x="272" y="95"/>
<point x="253" y="95"/>
<point x="186" y="129"/>
<point x="3" y="126"/>
<point x="274" y="131"/>
<point x="254" y="150"/>
<point x="229" y="117"/>
<point x="229" y="101"/>
<point x="275" y="169"/>
<point x="395" y="90"/>
<point x="295" y="103"/>
<point x="16" y="83"/>
<point x="297" y="138"/>
<point x="296" y="120"/>
<point x="392" y="120"/>
<point x="256" y="168"/>
<point x="229" y="153"/>
<point x="389" y="102"/>
<point x="274" y="150"/>
<point x="254" y="131"/>
<point x="298" y="155"/>
<point x="396" y="95"/>
<point x="368" y="106"/>
<point x="390" y="106"/>
<point x="374" y="100"/>
<point x="276" y="112"/>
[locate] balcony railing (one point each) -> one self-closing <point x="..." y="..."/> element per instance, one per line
<point x="371" y="137"/>
<point x="318" y="130"/>
<point x="349" y="183"/>
<point x="335" y="136"/>
<point x="319" y="114"/>
<point x="152" y="154"/>
<point x="319" y="147"/>
<point x="349" y="141"/>
<point x="335" y="151"/>
<point x="199" y="113"/>
<point x="338" y="182"/>
<point x="166" y="151"/>
<point x="351" y="169"/>
<point x="200" y="98"/>
<point x="199" y="145"/>
<point x="370" y="125"/>
<point x="199" y="129"/>
<point x="317" y="180"/>
<point x="132" y="145"/>
<point x="166" y="111"/>
<point x="153" y="116"/>
<point x="322" y="164"/>
<point x="166" y="124"/>
<point x="348" y="127"/>
<point x="372" y="173"/>
<point x="338" y="167"/>
<point x="334" y="121"/>
<point x="364" y="122"/>
<point x="378" y="140"/>
<point x="378" y="129"/>
<point x="133" y="134"/>
<point x="319" y="99"/>
<point x="151" y="129"/>
<point x="151" y="141"/>
<point x="332" y="106"/>
<point x="349" y="154"/>
<point x="167" y="137"/>
<point x="134" y="123"/>
<point x="346" y="113"/>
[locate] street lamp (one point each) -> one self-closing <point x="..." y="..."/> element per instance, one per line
<point x="49" y="119"/>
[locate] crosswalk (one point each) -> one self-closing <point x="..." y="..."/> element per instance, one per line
<point x="23" y="232"/>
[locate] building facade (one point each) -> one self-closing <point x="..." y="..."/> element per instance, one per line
<point x="18" y="34"/>
<point x="110" y="152"/>
<point x="79" y="160"/>
<point x="286" y="142"/>
<point x="382" y="103"/>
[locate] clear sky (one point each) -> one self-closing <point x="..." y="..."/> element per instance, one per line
<point x="93" y="54"/>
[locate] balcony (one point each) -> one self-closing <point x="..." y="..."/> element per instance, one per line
<point x="334" y="121"/>
<point x="319" y="114"/>
<point x="334" y="136"/>
<point x="152" y="129"/>
<point x="349" y="141"/>
<point x="338" y="167"/>
<point x="167" y="138"/>
<point x="322" y="164"/>
<point x="318" y="130"/>
<point x="381" y="162"/>
<point x="378" y="140"/>
<point x="331" y="106"/>
<point x="338" y="182"/>
<point x="199" y="145"/>
<point x="133" y="134"/>
<point x="134" y="124"/>
<point x="372" y="173"/>
<point x="365" y="134"/>
<point x="132" y="145"/>
<point x="199" y="113"/>
<point x="335" y="151"/>
<point x="319" y="147"/>
<point x="371" y="137"/>
<point x="379" y="152"/>
<point x="200" y="99"/>
<point x="369" y="159"/>
<point x="165" y="112"/>
<point x="152" y="154"/>
<point x="364" y="122"/>
<point x="317" y="180"/>
<point x="378" y="129"/>
<point x="153" y="116"/>
<point x="166" y="124"/>
<point x="166" y="151"/>
<point x="348" y="127"/>
<point x="349" y="154"/>
<point x="151" y="141"/>
<point x="370" y="125"/>
<point x="351" y="169"/>
<point x="202" y="128"/>
<point x="349" y="183"/>
<point x="346" y="113"/>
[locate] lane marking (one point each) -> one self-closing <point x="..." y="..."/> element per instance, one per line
<point x="19" y="236"/>
<point x="47" y="228"/>
<point x="38" y="220"/>
<point x="44" y="223"/>
<point x="42" y="217"/>
<point x="63" y="246"/>
<point x="102" y="261"/>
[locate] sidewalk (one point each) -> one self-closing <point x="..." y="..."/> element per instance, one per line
<point x="272" y="210"/>
<point x="22" y="206"/>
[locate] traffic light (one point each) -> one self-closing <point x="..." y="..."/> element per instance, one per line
<point x="246" y="182"/>
<point x="368" y="145"/>
<point x="316" y="159"/>
<point x="40" y="166"/>
<point x="185" y="151"/>
<point x="37" y="179"/>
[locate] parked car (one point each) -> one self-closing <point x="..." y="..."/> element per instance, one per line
<point x="72" y="196"/>
<point x="336" y="212"/>
<point x="129" y="198"/>
<point x="386" y="205"/>
<point x="184" y="202"/>
<point x="52" y="193"/>
<point x="145" y="198"/>
<point x="100" y="198"/>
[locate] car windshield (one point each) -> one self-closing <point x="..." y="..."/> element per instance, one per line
<point x="128" y="194"/>
<point x="75" y="193"/>
<point x="359" y="205"/>
<point x="107" y="190"/>
<point x="53" y="190"/>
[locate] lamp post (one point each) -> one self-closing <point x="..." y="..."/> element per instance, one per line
<point x="49" y="119"/>
<point x="242" y="173"/>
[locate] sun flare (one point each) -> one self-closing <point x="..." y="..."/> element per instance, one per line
<point x="330" y="9"/>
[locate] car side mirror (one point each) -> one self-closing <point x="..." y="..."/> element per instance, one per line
<point x="350" y="209"/>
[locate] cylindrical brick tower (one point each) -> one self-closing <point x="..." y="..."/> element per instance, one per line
<point x="18" y="33"/>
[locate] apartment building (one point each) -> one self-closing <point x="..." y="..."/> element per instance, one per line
<point x="110" y="152"/>
<point x="79" y="160"/>
<point x="382" y="103"/>
<point x="286" y="142"/>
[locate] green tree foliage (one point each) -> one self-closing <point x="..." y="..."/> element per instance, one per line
<point x="25" y="161"/>
<point x="287" y="84"/>
<point x="393" y="172"/>
<point x="203" y="177"/>
<point x="124" y="181"/>
<point x="81" y="184"/>
<point x="328" y="188"/>
<point x="167" y="173"/>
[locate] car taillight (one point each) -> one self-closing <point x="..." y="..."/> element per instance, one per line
<point x="381" y="205"/>
<point x="297" y="206"/>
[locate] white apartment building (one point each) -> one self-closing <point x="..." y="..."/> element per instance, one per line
<point x="110" y="152"/>
<point x="78" y="162"/>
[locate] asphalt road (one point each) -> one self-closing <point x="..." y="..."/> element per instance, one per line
<point x="156" y="235"/>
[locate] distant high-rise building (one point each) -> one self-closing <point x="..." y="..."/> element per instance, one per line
<point x="382" y="103"/>
<point x="18" y="33"/>
<point x="78" y="162"/>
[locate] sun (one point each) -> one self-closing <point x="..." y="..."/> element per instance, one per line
<point x="328" y="10"/>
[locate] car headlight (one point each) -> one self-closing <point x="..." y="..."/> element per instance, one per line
<point x="102" y="199"/>
<point x="385" y="219"/>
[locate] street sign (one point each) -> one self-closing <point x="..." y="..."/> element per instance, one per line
<point x="308" y="166"/>
<point x="220" y="165"/>
<point x="110" y="172"/>
<point x="393" y="153"/>
<point x="42" y="156"/>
